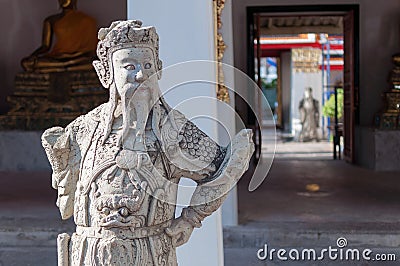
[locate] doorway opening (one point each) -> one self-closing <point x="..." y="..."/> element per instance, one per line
<point x="304" y="60"/>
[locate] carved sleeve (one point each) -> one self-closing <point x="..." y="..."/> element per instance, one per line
<point x="216" y="170"/>
<point x="200" y="156"/>
<point x="62" y="152"/>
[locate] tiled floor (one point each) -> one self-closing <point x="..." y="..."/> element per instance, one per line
<point x="310" y="200"/>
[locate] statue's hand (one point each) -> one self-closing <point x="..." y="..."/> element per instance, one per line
<point x="179" y="231"/>
<point x="243" y="141"/>
<point x="242" y="147"/>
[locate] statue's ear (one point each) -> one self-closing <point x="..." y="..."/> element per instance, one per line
<point x="159" y="74"/>
<point x="159" y="69"/>
<point x="101" y="73"/>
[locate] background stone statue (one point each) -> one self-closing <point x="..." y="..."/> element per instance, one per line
<point x="309" y="116"/>
<point x="117" y="168"/>
<point x="68" y="42"/>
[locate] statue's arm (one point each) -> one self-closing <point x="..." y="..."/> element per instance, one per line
<point x="212" y="191"/>
<point x="63" y="155"/>
<point x="215" y="169"/>
<point x="302" y="112"/>
<point x="317" y="115"/>
<point x="47" y="35"/>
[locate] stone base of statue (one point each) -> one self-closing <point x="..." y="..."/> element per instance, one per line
<point x="394" y="76"/>
<point x="41" y="100"/>
<point x="389" y="117"/>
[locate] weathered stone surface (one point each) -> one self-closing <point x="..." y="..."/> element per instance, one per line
<point x="387" y="153"/>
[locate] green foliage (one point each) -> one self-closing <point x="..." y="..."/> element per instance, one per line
<point x="329" y="107"/>
<point x="268" y="86"/>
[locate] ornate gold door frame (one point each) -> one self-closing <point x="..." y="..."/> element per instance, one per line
<point x="222" y="90"/>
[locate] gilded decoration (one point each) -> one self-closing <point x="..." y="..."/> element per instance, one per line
<point x="306" y="60"/>
<point x="389" y="118"/>
<point x="222" y="90"/>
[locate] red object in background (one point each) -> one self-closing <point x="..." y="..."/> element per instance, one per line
<point x="275" y="49"/>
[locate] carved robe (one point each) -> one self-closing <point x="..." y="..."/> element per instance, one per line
<point x="123" y="200"/>
<point x="309" y="117"/>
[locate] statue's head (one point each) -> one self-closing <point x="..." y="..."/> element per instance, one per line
<point x="130" y="67"/>
<point x="308" y="92"/>
<point x="126" y="50"/>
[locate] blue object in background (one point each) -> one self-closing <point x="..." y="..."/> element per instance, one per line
<point x="271" y="62"/>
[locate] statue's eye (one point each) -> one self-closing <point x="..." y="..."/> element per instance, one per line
<point x="130" y="67"/>
<point x="105" y="210"/>
<point x="147" y="66"/>
<point x="123" y="212"/>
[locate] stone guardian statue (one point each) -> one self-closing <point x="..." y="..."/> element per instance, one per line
<point x="117" y="168"/>
<point x="309" y="117"/>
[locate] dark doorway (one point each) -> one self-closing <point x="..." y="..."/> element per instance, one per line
<point x="320" y="17"/>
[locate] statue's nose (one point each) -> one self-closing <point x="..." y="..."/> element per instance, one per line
<point x="139" y="76"/>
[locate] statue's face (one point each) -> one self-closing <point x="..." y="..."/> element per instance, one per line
<point x="132" y="67"/>
<point x="307" y="94"/>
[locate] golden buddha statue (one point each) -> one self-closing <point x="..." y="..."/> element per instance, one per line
<point x="68" y="43"/>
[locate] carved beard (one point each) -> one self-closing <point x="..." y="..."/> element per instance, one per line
<point x="156" y="103"/>
<point x="136" y="103"/>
